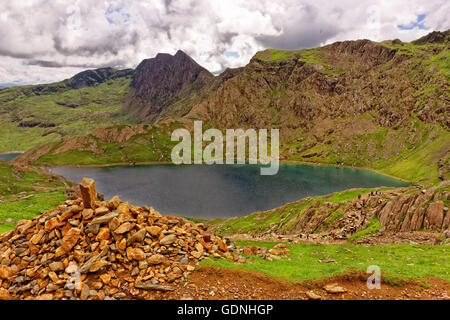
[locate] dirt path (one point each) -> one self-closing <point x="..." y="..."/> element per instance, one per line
<point x="211" y="283"/>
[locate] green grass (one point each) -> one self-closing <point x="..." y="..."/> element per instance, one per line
<point x="30" y="193"/>
<point x="66" y="112"/>
<point x="286" y="216"/>
<point x="154" y="145"/>
<point x="397" y="262"/>
<point x="372" y="227"/>
<point x="31" y="207"/>
<point x="410" y="152"/>
<point x="419" y="165"/>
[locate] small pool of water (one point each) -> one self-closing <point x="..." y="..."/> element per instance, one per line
<point x="8" y="156"/>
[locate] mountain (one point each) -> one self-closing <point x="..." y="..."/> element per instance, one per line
<point x="381" y="105"/>
<point x="164" y="82"/>
<point x="33" y="115"/>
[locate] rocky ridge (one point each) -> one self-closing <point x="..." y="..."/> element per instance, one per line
<point x="91" y="249"/>
<point x="398" y="210"/>
<point x="395" y="215"/>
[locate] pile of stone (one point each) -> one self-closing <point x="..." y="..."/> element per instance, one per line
<point x="91" y="249"/>
<point x="278" y="251"/>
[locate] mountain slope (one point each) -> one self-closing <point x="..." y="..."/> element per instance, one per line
<point x="355" y="103"/>
<point x="165" y="81"/>
<point x="33" y="115"/>
<point x="359" y="103"/>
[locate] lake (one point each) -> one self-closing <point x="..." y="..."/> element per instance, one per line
<point x="8" y="156"/>
<point x="205" y="191"/>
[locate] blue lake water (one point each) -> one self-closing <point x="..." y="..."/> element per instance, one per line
<point x="9" y="156"/>
<point x="221" y="190"/>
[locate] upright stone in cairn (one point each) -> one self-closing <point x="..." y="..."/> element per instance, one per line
<point x="88" y="192"/>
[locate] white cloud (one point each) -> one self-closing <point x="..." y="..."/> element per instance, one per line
<point x="36" y="34"/>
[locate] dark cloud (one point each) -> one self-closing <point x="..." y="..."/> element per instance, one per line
<point x="39" y="35"/>
<point x="304" y="27"/>
<point x="117" y="63"/>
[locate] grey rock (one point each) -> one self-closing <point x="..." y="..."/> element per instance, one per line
<point x="106" y="218"/>
<point x="167" y="240"/>
<point x="137" y="237"/>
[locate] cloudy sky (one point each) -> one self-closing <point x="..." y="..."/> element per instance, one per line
<point x="50" y="40"/>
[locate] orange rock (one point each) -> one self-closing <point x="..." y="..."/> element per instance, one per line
<point x="114" y="224"/>
<point x="51" y="224"/>
<point x="70" y="239"/>
<point x="124" y="207"/>
<point x="101" y="211"/>
<point x="153" y="230"/>
<point x="103" y="234"/>
<point x="88" y="192"/>
<point x="122" y="244"/>
<point x="125" y="227"/>
<point x="4" y="294"/>
<point x="37" y="237"/>
<point x="114" y="203"/>
<point x="137" y="254"/>
<point x="88" y="213"/>
<point x="98" y="265"/>
<point x="52" y="275"/>
<point x="206" y="236"/>
<point x="156" y="259"/>
<point x="60" y="252"/>
<point x="4" y="272"/>
<point x="65" y="215"/>
<point x="222" y="245"/>
<point x="106" y="278"/>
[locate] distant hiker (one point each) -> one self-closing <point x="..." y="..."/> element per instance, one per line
<point x="359" y="197"/>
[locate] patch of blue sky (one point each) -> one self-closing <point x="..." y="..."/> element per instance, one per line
<point x="116" y="15"/>
<point x="232" y="54"/>
<point x="417" y="24"/>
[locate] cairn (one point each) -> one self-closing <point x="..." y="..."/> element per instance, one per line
<point x="91" y="249"/>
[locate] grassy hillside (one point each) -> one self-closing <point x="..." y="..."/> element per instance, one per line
<point x="24" y="193"/>
<point x="30" y="117"/>
<point x="112" y="145"/>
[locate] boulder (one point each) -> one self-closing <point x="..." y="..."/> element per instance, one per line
<point x="88" y="192"/>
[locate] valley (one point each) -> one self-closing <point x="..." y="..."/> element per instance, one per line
<point x="340" y="108"/>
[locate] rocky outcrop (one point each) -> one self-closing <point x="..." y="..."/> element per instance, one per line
<point x="434" y="37"/>
<point x="92" y="249"/>
<point x="394" y="211"/>
<point x="163" y="81"/>
<point x="418" y="210"/>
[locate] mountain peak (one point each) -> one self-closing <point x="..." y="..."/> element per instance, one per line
<point x="434" y="37"/>
<point x="159" y="81"/>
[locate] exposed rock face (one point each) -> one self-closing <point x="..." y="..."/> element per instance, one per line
<point x="163" y="80"/>
<point x="407" y="209"/>
<point x="415" y="211"/>
<point x="434" y="216"/>
<point x="434" y="37"/>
